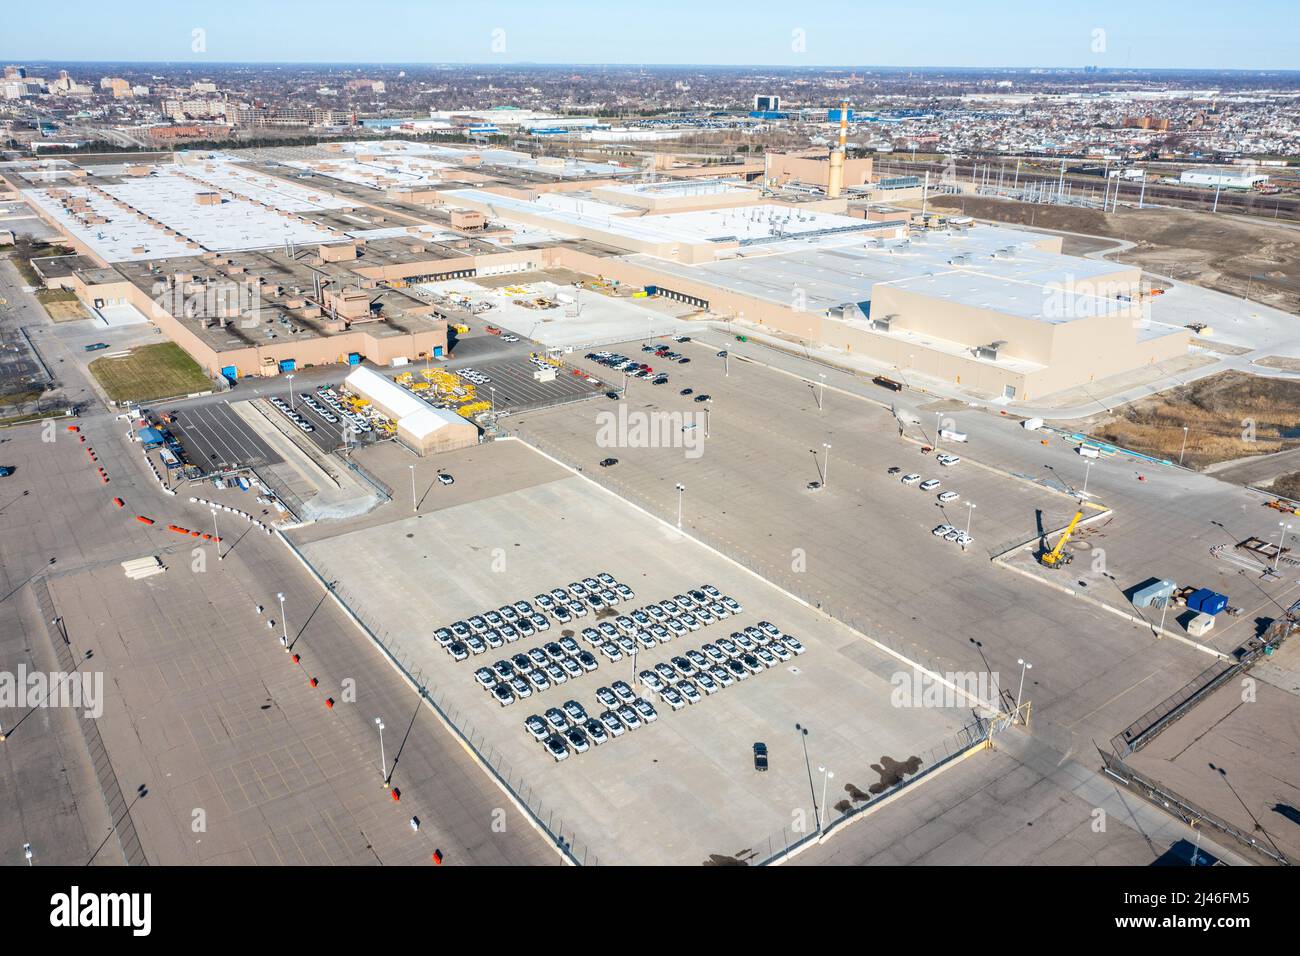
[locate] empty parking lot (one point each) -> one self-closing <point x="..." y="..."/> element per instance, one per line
<point x="214" y="438"/>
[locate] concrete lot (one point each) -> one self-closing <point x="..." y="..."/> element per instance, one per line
<point x="683" y="789"/>
<point x="862" y="549"/>
<point x="1234" y="755"/>
<point x="202" y="705"/>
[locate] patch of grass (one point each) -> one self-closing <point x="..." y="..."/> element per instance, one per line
<point x="46" y="296"/>
<point x="1288" y="486"/>
<point x="150" y="372"/>
<point x="1227" y="416"/>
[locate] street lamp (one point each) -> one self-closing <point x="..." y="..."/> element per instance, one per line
<point x="680" y="488"/>
<point x="970" y="510"/>
<point x="821" y="402"/>
<point x="383" y="760"/>
<point x="27" y="853"/>
<point x="1024" y="666"/>
<point x="1184" y="448"/>
<point x="803" y="737"/>
<point x="826" y="464"/>
<point x="826" y="776"/>
<point x="284" y="638"/>
<point x="216" y="537"/>
<point x="1087" y="470"/>
<point x="493" y="399"/>
<point x="289" y="378"/>
<point x="1277" y="558"/>
<point x="414" y="506"/>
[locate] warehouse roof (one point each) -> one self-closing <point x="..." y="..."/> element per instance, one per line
<point x="411" y="413"/>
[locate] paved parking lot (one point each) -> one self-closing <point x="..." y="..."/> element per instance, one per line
<point x="516" y="387"/>
<point x="682" y="789"/>
<point x="861" y="548"/>
<point x="214" y="437"/>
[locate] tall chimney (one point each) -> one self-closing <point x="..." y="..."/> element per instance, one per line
<point x="835" y="175"/>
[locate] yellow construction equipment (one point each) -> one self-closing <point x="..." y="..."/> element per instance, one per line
<point x="1058" y="556"/>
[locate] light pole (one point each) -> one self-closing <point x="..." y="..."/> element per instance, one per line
<point x="284" y="638"/>
<point x="493" y="398"/>
<point x="383" y="760"/>
<point x="1087" y="470"/>
<point x="970" y="510"/>
<point x="1024" y="666"/>
<point x="706" y="421"/>
<point x="1164" y="606"/>
<point x="821" y="402"/>
<point x="1184" y="448"/>
<point x="938" y="426"/>
<point x="826" y="464"/>
<point x="680" y="488"/>
<point x="414" y="506"/>
<point x="1277" y="558"/>
<point x="726" y="363"/>
<point x="289" y="379"/>
<point x="803" y="737"/>
<point x="826" y="776"/>
<point x="27" y="853"/>
<point x="216" y="537"/>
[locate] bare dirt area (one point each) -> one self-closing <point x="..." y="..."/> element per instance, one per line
<point x="1221" y="252"/>
<point x="1227" y="416"/>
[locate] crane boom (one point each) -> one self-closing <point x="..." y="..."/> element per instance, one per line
<point x="1054" y="557"/>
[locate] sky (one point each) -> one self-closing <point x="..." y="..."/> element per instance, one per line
<point x="1119" y="34"/>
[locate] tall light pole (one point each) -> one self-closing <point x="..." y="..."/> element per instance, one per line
<point x="826" y="775"/>
<point x="383" y="760"/>
<point x="284" y="637"/>
<point x="726" y="363"/>
<point x="803" y="738"/>
<point x="216" y="537"/>
<point x="1024" y="666"/>
<point x="821" y="401"/>
<point x="414" y="506"/>
<point x="938" y="427"/>
<point x="826" y="465"/>
<point x="289" y="379"/>
<point x="27" y="853"/>
<point x="706" y="421"/>
<point x="1184" y="448"/>
<point x="1087" y="470"/>
<point x="680" y="488"/>
<point x="1277" y="558"/>
<point x="493" y="398"/>
<point x="1164" y="606"/>
<point x="970" y="510"/>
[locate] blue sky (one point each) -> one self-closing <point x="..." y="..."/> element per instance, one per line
<point x="1133" y="34"/>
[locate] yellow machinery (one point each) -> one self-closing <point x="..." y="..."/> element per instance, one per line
<point x="1058" y="556"/>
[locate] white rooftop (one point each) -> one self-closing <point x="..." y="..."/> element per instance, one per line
<point x="411" y="413"/>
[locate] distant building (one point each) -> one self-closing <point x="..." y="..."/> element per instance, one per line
<point x="763" y="104"/>
<point x="1222" y="178"/>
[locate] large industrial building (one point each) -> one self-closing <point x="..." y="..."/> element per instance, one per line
<point x="330" y="251"/>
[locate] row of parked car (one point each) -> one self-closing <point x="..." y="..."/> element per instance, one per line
<point x="569" y="729"/>
<point x="955" y="535"/>
<point x="517" y="677"/>
<point x="474" y="375"/>
<point x="293" y="416"/>
<point x="633" y="368"/>
<point x="511" y="622"/>
<point x="930" y="484"/>
<point x="689" y="678"/>
<point x="658" y="623"/>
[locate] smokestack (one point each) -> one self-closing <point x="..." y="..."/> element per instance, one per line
<point x="835" y="175"/>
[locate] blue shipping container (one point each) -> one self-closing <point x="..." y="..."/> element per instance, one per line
<point x="1207" y="601"/>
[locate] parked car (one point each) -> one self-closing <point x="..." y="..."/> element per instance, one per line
<point x="760" y="756"/>
<point x="607" y="462"/>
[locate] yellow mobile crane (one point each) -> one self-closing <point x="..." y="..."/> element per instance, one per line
<point x="1058" y="556"/>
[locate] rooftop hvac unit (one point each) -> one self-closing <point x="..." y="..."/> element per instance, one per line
<point x="960" y="260"/>
<point x="881" y="323"/>
<point x="989" y="352"/>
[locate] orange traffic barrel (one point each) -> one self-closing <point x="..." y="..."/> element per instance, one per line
<point x="143" y="519"/>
